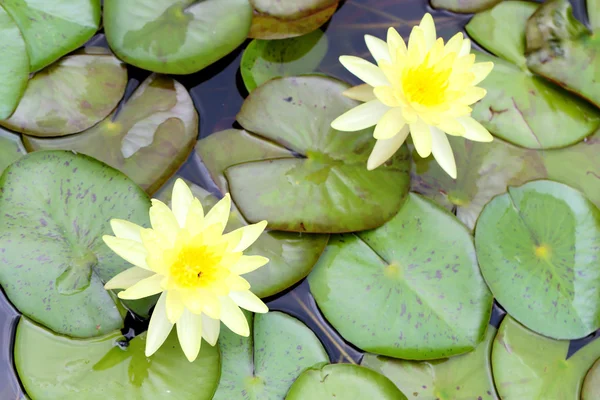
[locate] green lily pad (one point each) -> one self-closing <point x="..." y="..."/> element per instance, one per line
<point x="14" y="65"/>
<point x="147" y="139"/>
<point x="410" y="289"/>
<point x="53" y="28"/>
<point x="468" y="376"/>
<point x="291" y="255"/>
<point x="11" y="149"/>
<point x="593" y="12"/>
<point x="464" y="6"/>
<point x="267" y="59"/>
<point x="275" y="19"/>
<point x="591" y="384"/>
<point x="327" y="187"/>
<point x="538" y="247"/>
<point x="71" y="95"/>
<point x="484" y="171"/>
<point x="175" y="36"/>
<point x="56" y="367"/>
<point x="56" y="206"/>
<point x="529" y="366"/>
<point x="264" y="365"/>
<point x="343" y="381"/>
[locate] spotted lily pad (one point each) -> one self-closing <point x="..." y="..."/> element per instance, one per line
<point x="265" y="365"/>
<point x="148" y="138"/>
<point x="175" y="36"/>
<point x="54" y="367"/>
<point x="468" y="376"/>
<point x="53" y="28"/>
<point x="324" y="186"/>
<point x="410" y="289"/>
<point x="14" y="65"/>
<point x="529" y="366"/>
<point x="267" y="59"/>
<point x="343" y="381"/>
<point x="11" y="149"/>
<point x="275" y="19"/>
<point x="71" y="95"/>
<point x="56" y="206"/>
<point x="291" y="255"/>
<point x="464" y="6"/>
<point x="538" y="246"/>
<point x="591" y="384"/>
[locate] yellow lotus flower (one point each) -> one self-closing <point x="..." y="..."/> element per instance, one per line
<point x="197" y="268"/>
<point x="425" y="89"/>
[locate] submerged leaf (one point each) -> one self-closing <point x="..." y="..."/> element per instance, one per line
<point x="464" y="6"/>
<point x="14" y="65"/>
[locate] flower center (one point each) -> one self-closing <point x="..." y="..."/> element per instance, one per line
<point x="196" y="267"/>
<point x="425" y="84"/>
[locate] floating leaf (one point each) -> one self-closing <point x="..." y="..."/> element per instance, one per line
<point x="468" y="376"/>
<point x="591" y="384"/>
<point x="56" y="206"/>
<point x="409" y="289"/>
<point x="593" y="12"/>
<point x="175" y="36"/>
<point x="14" y="65"/>
<point x="538" y="246"/>
<point x="11" y="149"/>
<point x="267" y="59"/>
<point x="529" y="366"/>
<point x="148" y="139"/>
<point x="343" y="381"/>
<point x="56" y="367"/>
<point x="265" y="365"/>
<point x="71" y="95"/>
<point x="464" y="6"/>
<point x="327" y="187"/>
<point x="291" y="255"/>
<point x="484" y="171"/>
<point x="53" y="28"/>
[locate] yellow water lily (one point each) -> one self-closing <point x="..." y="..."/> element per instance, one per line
<point x="424" y="88"/>
<point x="197" y="268"/>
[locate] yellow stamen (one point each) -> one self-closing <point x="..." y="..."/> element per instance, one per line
<point x="426" y="84"/>
<point x="196" y="267"/>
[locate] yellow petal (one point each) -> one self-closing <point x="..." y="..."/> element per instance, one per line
<point x="440" y="147"/>
<point x="194" y="222"/>
<point x="419" y="131"/>
<point x="428" y="27"/>
<point x="232" y="238"/>
<point x="248" y="300"/>
<point x="155" y="244"/>
<point x="360" y="117"/>
<point x="174" y="306"/>
<point x="248" y="264"/>
<point x="395" y="44"/>
<point x="454" y="44"/>
<point x="163" y="220"/>
<point x="219" y="214"/>
<point x="390" y="124"/>
<point x="385" y="94"/>
<point x="385" y="148"/>
<point x="451" y="126"/>
<point x="236" y="283"/>
<point x="481" y="71"/>
<point x="364" y="70"/>
<point x="416" y="45"/>
<point x="378" y="48"/>
<point x="409" y="114"/>
<point x="362" y="93"/>
<point x="466" y="48"/>
<point x="189" y="332"/>
<point x="129" y="250"/>
<point x="474" y="130"/>
<point x="202" y="301"/>
<point x="473" y="95"/>
<point x="210" y="329"/>
<point x="128" y="278"/>
<point x="126" y="230"/>
<point x="159" y="327"/>
<point x="180" y="201"/>
<point x="250" y="234"/>
<point x="233" y="317"/>
<point x="144" y="288"/>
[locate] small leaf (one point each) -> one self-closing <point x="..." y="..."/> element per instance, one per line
<point x="464" y="6"/>
<point x="14" y="65"/>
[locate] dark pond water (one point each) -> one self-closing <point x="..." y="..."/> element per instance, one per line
<point x="218" y="93"/>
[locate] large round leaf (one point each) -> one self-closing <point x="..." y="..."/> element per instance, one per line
<point x="148" y="138"/>
<point x="175" y="36"/>
<point x="468" y="376"/>
<point x="464" y="6"/>
<point x="591" y="384"/>
<point x="343" y="381"/>
<point x="14" y="65"/>
<point x="56" y="206"/>
<point x="264" y="366"/>
<point x="71" y="95"/>
<point x="291" y="255"/>
<point x="327" y="188"/>
<point x="267" y="59"/>
<point x="529" y="366"/>
<point x="538" y="246"/>
<point x="54" y="367"/>
<point x="409" y="289"/>
<point x="11" y="149"/>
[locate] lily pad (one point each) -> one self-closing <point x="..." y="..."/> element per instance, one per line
<point x="54" y="367"/>
<point x="591" y="384"/>
<point x="410" y="289"/>
<point x="484" y="171"/>
<point x="464" y="6"/>
<point x="175" y="36"/>
<point x="71" y="95"/>
<point x="267" y="59"/>
<point x="14" y="65"/>
<point x="147" y="139"/>
<point x="593" y="12"/>
<point x="291" y="255"/>
<point x="529" y="366"/>
<point x="468" y="376"/>
<point x="343" y="381"/>
<point x="56" y="206"/>
<point x="326" y="187"/>
<point x="53" y="28"/>
<point x="11" y="149"/>
<point x="538" y="246"/>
